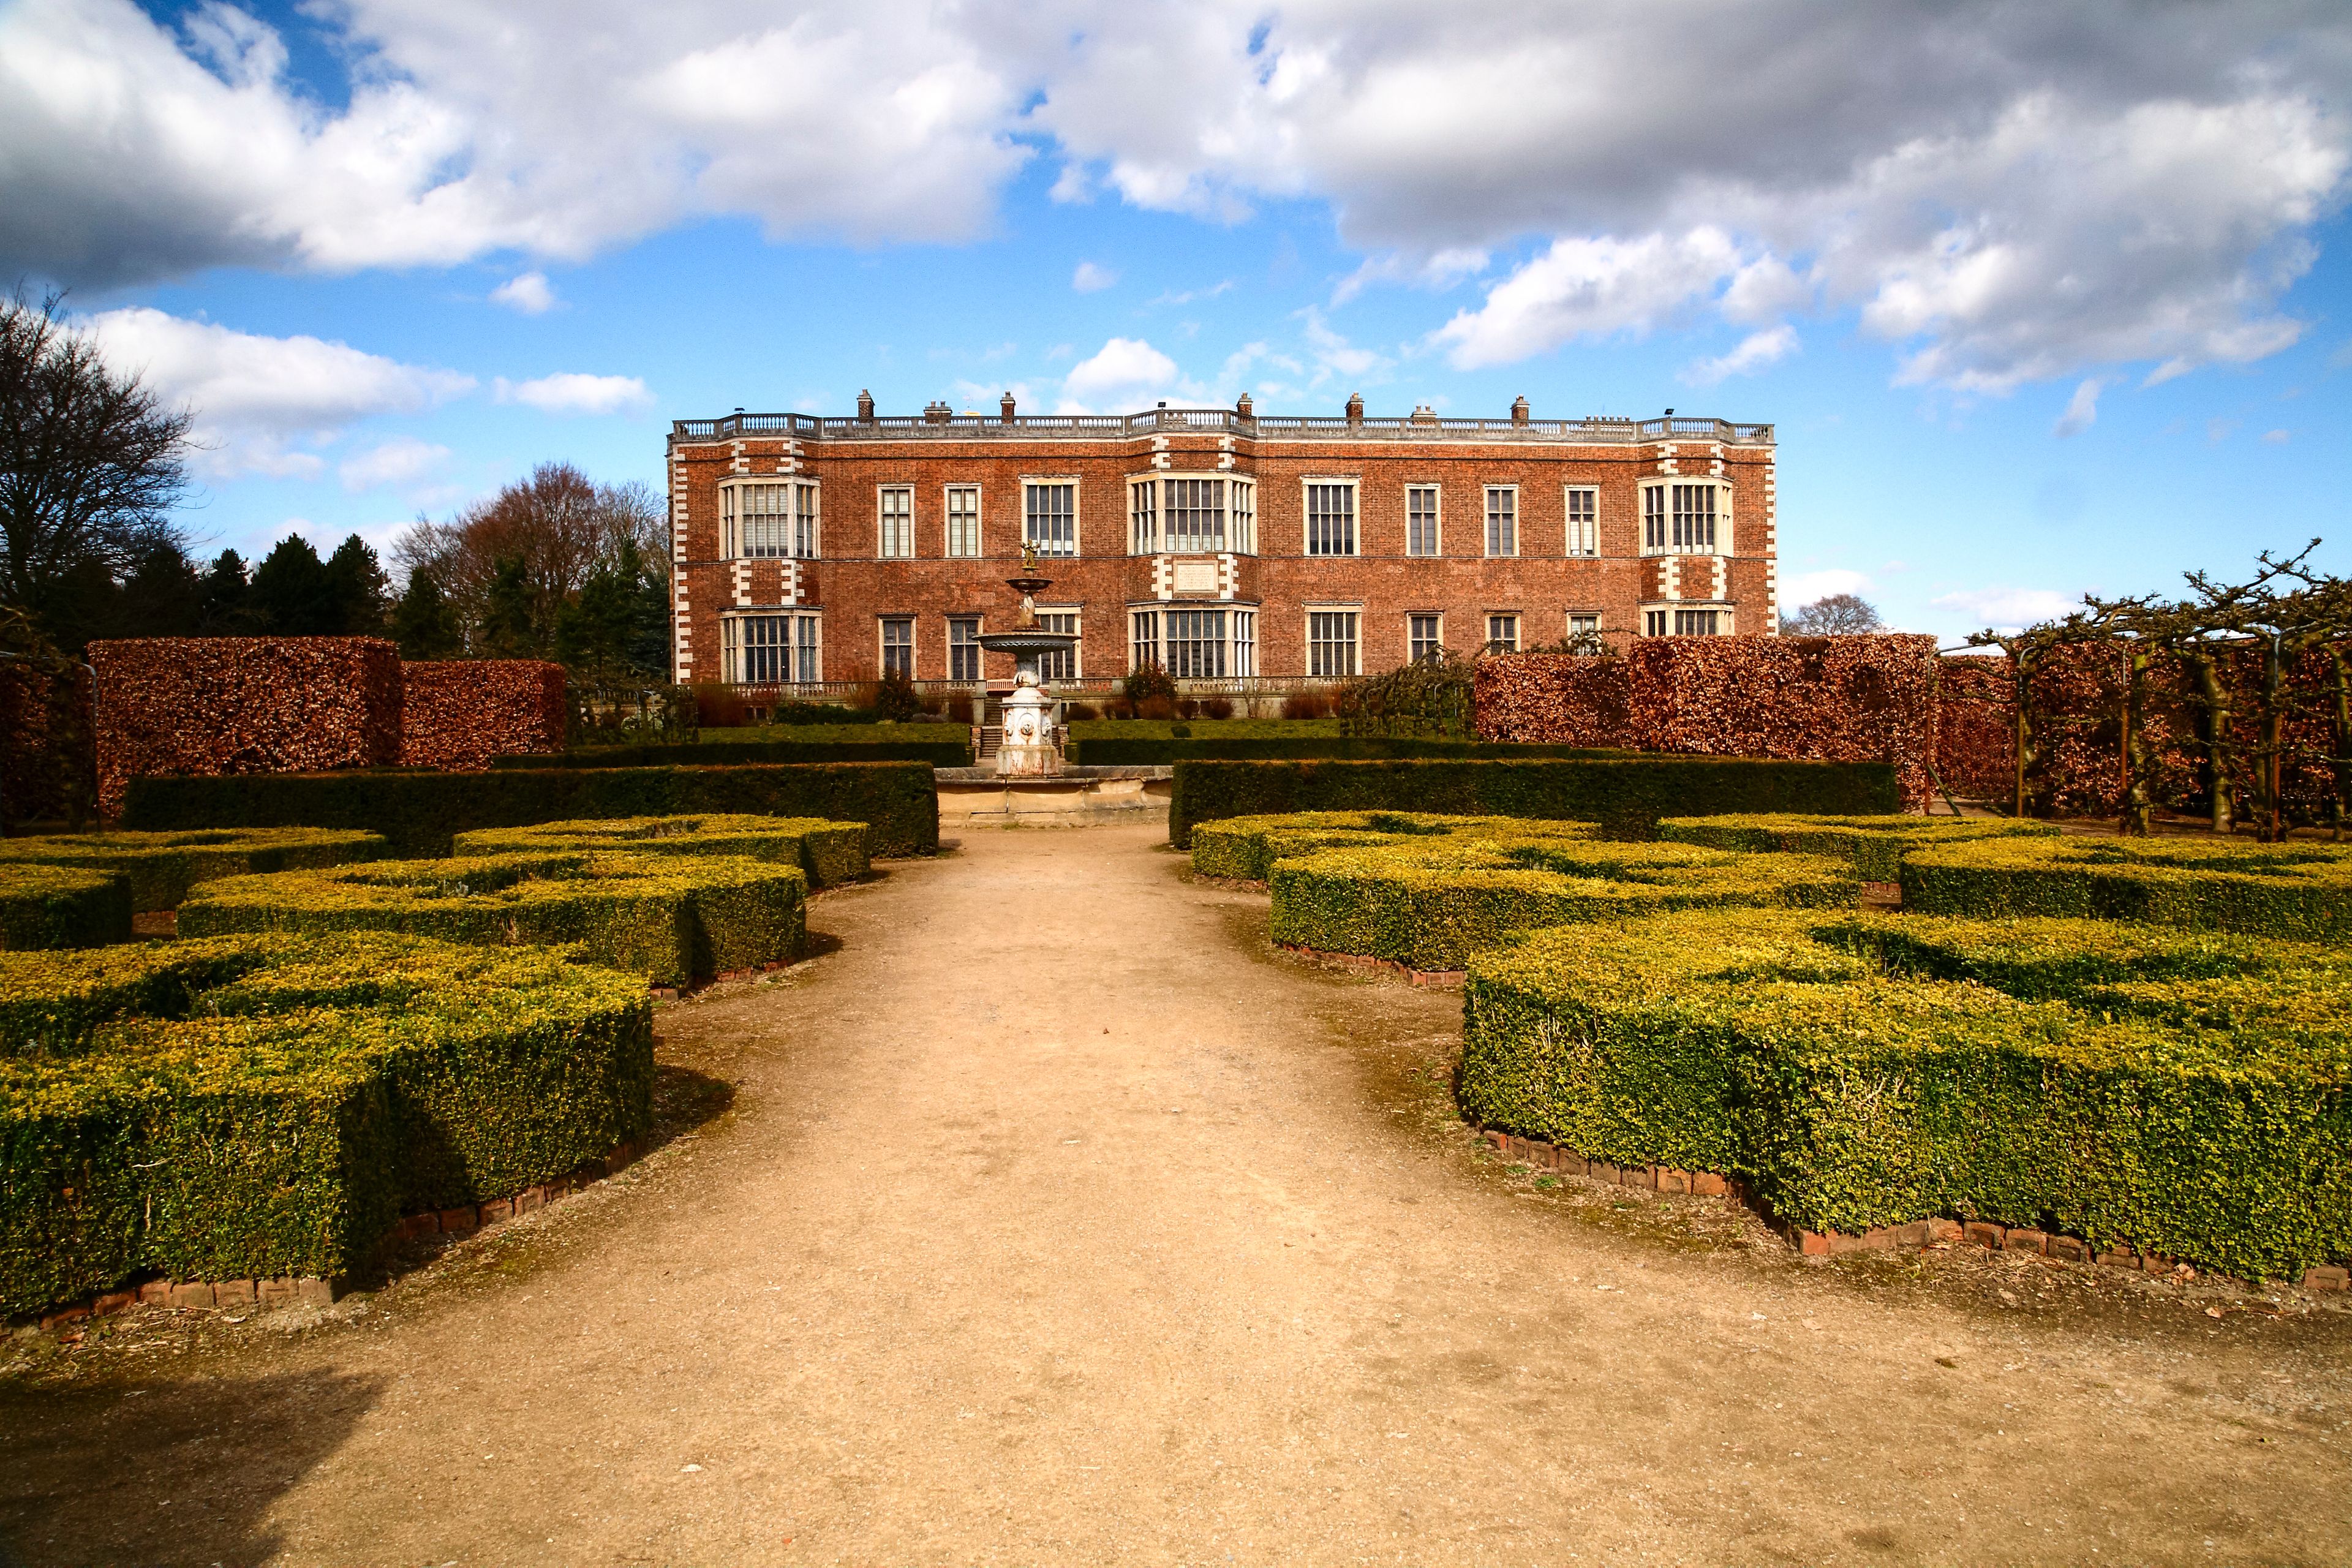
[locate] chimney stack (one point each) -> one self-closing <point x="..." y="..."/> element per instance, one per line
<point x="1354" y="408"/>
<point x="865" y="406"/>
<point x="1007" y="406"/>
<point x="1519" y="411"/>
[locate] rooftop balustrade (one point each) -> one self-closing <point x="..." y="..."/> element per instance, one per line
<point x="940" y="426"/>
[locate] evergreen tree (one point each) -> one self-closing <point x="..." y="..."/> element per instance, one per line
<point x="161" y="596"/>
<point x="604" y="634"/>
<point x="425" y="623"/>
<point x="290" y="597"/>
<point x="507" y="631"/>
<point x="224" y="607"/>
<point x="357" y="590"/>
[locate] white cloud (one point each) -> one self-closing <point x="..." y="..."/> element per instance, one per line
<point x="1186" y="295"/>
<point x="1123" y="377"/>
<point x="2081" y="410"/>
<point x="1089" y="279"/>
<point x="1754" y="351"/>
<point x="1442" y="270"/>
<point x="1335" y="355"/>
<point x="2007" y="609"/>
<point x="2008" y="194"/>
<point x="1804" y="587"/>
<point x="257" y="400"/>
<point x="529" y="293"/>
<point x="400" y="461"/>
<point x="2277" y="437"/>
<point x="573" y="393"/>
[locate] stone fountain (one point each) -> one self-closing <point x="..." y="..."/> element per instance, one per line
<point x="1029" y="748"/>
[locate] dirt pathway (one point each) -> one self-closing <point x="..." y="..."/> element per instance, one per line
<point x="1187" y="1269"/>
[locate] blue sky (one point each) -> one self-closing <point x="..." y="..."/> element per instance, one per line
<point x="2039" y="301"/>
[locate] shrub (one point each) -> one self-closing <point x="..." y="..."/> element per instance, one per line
<point x="1429" y="697"/>
<point x="899" y="802"/>
<point x="1837" y="1067"/>
<point x="1432" y="904"/>
<point x="208" y="706"/>
<point x="959" y="708"/>
<point x="1158" y="709"/>
<point x="1148" y="683"/>
<point x="1246" y="848"/>
<point x="1876" y="845"/>
<point x="1306" y="705"/>
<point x="719" y="706"/>
<point x="673" y="919"/>
<point x="828" y="853"/>
<point x="460" y="713"/>
<point x="864" y="743"/>
<point x="263" y="1106"/>
<point x="163" y="867"/>
<point x="1626" y="796"/>
<point x="1216" y="708"/>
<point x="895" y="701"/>
<point x="57" y="906"/>
<point x="2302" y="891"/>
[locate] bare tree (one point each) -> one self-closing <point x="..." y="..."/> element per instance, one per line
<point x="1834" y="616"/>
<point x="91" y="463"/>
<point x="541" y="539"/>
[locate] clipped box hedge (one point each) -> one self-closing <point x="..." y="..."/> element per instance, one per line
<point x="2181" y="1094"/>
<point x="830" y="853"/>
<point x="250" y="1107"/>
<point x="1626" y="795"/>
<point x="421" y="813"/>
<point x="940" y="745"/>
<point x="1245" y="847"/>
<point x="163" y="867"/>
<point x="672" y="919"/>
<point x="2300" y="891"/>
<point x="1876" y="845"/>
<point x="62" y="906"/>
<point x="1431" y="905"/>
<point x="1122" y="751"/>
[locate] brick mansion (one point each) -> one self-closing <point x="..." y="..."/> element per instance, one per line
<point x="1223" y="544"/>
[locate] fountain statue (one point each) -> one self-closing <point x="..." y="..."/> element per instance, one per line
<point x="1029" y="746"/>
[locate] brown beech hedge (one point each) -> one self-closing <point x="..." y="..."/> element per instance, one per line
<point x="458" y="714"/>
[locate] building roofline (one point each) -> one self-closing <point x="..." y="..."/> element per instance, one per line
<point x="939" y="423"/>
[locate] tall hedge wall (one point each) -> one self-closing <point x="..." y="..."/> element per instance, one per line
<point x="1848" y="699"/>
<point x="2183" y="1095"/>
<point x="1627" y="796"/>
<point x="460" y="713"/>
<point x="252" y="1107"/>
<point x="420" y="813"/>
<point x="207" y="707"/>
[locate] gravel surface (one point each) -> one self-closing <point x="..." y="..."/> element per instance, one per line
<point x="1047" y="1216"/>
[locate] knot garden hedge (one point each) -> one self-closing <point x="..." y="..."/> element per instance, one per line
<point x="2172" y="1079"/>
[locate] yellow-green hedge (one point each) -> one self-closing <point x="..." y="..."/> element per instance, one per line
<point x="1246" y="848"/>
<point x="830" y="853"/>
<point x="673" y="919"/>
<point x="1431" y="905"/>
<point x="2179" y="1093"/>
<point x="2299" y="891"/>
<point x="258" y="1106"/>
<point x="1876" y="845"/>
<point x="58" y="906"/>
<point x="163" y="867"/>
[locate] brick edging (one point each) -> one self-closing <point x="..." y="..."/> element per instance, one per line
<point x="1910" y="1236"/>
<point x="320" y="1293"/>
<point x="1442" y="979"/>
<point x="672" y="993"/>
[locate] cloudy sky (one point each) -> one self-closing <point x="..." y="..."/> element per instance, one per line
<point x="2042" y="296"/>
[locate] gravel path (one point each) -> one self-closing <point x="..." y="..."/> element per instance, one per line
<point x="1188" y="1264"/>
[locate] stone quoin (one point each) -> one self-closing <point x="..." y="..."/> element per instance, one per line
<point x="1221" y="544"/>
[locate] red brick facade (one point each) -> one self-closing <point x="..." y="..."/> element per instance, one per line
<point x="854" y="579"/>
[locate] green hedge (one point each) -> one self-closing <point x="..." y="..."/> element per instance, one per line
<point x="1124" y="752"/>
<point x="420" y="812"/>
<point x="1626" y="796"/>
<point x="163" y="867"/>
<point x="898" y="744"/>
<point x="1246" y="848"/>
<point x="830" y="853"/>
<point x="59" y="906"/>
<point x="1432" y="904"/>
<point x="1084" y="729"/>
<point x="2184" y="1095"/>
<point x="1876" y="845"/>
<point x="2302" y="891"/>
<point x="264" y="1106"/>
<point x="673" y="919"/>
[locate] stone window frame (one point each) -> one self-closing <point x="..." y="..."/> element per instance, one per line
<point x="883" y="622"/>
<point x="1568" y="521"/>
<point x="1078" y="514"/>
<point x="795" y="618"/>
<point x="1518" y="627"/>
<point x="979" y="624"/>
<point x="881" y="522"/>
<point x="1663" y="516"/>
<point x="1658" y="617"/>
<point x="1437" y="520"/>
<point x="794" y="486"/>
<point x="948" y="516"/>
<point x="1354" y="609"/>
<point x="1412" y="639"/>
<point x="1355" y="484"/>
<point x="1486" y="494"/>
<point x="1076" y="612"/>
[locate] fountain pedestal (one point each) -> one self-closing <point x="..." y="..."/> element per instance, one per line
<point x="1029" y="748"/>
